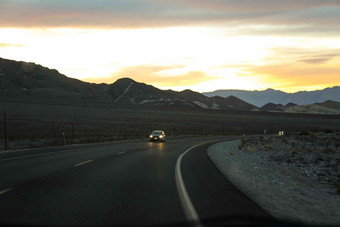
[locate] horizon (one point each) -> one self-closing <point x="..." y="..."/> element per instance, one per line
<point x="203" y="46"/>
<point x="184" y="88"/>
<point x="223" y="89"/>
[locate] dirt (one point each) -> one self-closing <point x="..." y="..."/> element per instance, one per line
<point x="295" y="178"/>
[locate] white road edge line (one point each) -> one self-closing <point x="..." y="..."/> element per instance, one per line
<point x="82" y="163"/>
<point x="188" y="208"/>
<point x="123" y="152"/>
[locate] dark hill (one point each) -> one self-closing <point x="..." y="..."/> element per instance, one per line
<point x="277" y="107"/>
<point x="29" y="82"/>
<point x="330" y="104"/>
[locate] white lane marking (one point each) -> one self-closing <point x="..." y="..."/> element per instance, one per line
<point x="123" y="152"/>
<point x="52" y="152"/>
<point x="33" y="155"/>
<point x="188" y="208"/>
<point x="82" y="163"/>
<point x="5" y="190"/>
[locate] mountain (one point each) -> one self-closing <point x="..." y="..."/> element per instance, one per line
<point x="260" y="98"/>
<point x="330" y="104"/>
<point x="277" y="107"/>
<point x="128" y="92"/>
<point x="327" y="107"/>
<point x="29" y="82"/>
<point x="29" y="79"/>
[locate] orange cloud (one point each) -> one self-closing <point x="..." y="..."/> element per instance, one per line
<point x="152" y="74"/>
<point x="299" y="75"/>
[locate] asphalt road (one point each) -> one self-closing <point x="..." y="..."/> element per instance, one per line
<point x="122" y="183"/>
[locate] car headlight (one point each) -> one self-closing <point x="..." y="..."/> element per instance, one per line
<point x="151" y="136"/>
<point x="160" y="136"/>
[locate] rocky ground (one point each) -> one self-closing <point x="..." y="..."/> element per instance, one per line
<point x="294" y="177"/>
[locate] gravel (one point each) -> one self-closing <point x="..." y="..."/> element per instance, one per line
<point x="294" y="178"/>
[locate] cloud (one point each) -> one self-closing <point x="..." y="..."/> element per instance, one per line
<point x="255" y="5"/>
<point x="290" y="75"/>
<point x="319" y="59"/>
<point x="309" y="15"/>
<point x="10" y="45"/>
<point x="315" y="60"/>
<point x="152" y="74"/>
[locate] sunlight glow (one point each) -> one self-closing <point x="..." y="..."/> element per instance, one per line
<point x="207" y="58"/>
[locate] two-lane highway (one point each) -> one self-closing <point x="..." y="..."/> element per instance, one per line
<point x="122" y="183"/>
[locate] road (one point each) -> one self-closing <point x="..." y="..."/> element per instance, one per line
<point x="121" y="183"/>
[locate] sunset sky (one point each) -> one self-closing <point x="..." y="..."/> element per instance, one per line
<point x="180" y="44"/>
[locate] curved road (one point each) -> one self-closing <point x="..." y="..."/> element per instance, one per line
<point x="122" y="183"/>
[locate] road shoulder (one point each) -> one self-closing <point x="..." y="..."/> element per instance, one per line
<point x="277" y="190"/>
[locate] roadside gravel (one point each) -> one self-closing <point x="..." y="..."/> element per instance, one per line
<point x="282" y="190"/>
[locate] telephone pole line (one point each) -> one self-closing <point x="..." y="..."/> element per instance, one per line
<point x="5" y="129"/>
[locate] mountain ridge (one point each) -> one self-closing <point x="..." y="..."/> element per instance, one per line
<point x="27" y="81"/>
<point x="263" y="97"/>
<point x="30" y="82"/>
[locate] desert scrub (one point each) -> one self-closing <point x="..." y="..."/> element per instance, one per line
<point x="267" y="147"/>
<point x="251" y="149"/>
<point x="243" y="143"/>
<point x="314" y="154"/>
<point x="293" y="151"/>
<point x="328" y="150"/>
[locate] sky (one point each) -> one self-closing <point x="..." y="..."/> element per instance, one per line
<point x="180" y="44"/>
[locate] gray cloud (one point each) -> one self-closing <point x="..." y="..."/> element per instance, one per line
<point x="262" y="6"/>
<point x="319" y="59"/>
<point x="310" y="16"/>
<point x="315" y="60"/>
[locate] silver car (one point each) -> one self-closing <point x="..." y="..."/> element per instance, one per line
<point x="157" y="135"/>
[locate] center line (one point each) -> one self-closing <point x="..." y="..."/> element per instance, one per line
<point x="123" y="152"/>
<point x="82" y="163"/>
<point x="5" y="190"/>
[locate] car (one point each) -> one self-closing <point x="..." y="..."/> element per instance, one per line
<point x="157" y="135"/>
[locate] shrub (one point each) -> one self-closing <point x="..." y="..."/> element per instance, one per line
<point x="268" y="147"/>
<point x="310" y="149"/>
<point x="327" y="150"/>
<point x="328" y="130"/>
<point x="293" y="151"/>
<point x="252" y="149"/>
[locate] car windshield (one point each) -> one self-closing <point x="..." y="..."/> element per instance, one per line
<point x="157" y="133"/>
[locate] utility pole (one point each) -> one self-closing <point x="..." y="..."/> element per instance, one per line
<point x="5" y="130"/>
<point x="85" y="133"/>
<point x="72" y="132"/>
<point x="52" y="131"/>
<point x="64" y="138"/>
